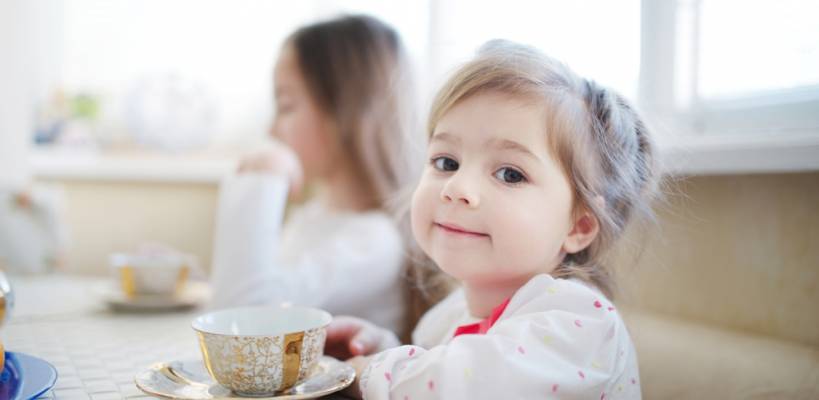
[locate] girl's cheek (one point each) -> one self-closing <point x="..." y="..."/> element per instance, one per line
<point x="417" y="218"/>
<point x="429" y="192"/>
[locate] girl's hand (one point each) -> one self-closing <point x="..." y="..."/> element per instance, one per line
<point x="279" y="159"/>
<point x="359" y="363"/>
<point x="350" y="336"/>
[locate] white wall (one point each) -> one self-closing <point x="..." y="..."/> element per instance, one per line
<point x="16" y="93"/>
<point x="30" y="64"/>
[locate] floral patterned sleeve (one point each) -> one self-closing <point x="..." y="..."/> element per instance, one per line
<point x="566" y="344"/>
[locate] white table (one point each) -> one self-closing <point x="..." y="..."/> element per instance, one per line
<point x="64" y="320"/>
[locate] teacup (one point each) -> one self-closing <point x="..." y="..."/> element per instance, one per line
<point x="151" y="274"/>
<point x="258" y="351"/>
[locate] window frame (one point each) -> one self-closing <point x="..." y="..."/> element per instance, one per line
<point x="776" y="131"/>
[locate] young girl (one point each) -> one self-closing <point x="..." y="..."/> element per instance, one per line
<point x="344" y="113"/>
<point x="533" y="173"/>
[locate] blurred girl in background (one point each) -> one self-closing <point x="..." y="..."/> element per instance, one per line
<point x="345" y="119"/>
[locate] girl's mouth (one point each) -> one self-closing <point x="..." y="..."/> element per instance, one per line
<point x="458" y="230"/>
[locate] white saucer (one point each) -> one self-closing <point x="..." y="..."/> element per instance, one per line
<point x="190" y="380"/>
<point x="193" y="294"/>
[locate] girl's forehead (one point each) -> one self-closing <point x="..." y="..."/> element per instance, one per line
<point x="494" y="116"/>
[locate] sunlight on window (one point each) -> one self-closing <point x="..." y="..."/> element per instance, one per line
<point x="754" y="46"/>
<point x="598" y="38"/>
<point x="187" y="73"/>
<point x="124" y="49"/>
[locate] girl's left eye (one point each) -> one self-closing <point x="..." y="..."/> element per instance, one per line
<point x="445" y="164"/>
<point x="284" y="108"/>
<point x="510" y="175"/>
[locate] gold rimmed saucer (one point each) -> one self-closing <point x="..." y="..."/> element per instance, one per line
<point x="194" y="294"/>
<point x="190" y="380"/>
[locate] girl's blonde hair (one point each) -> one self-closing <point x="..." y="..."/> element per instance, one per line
<point x="599" y="140"/>
<point x="357" y="71"/>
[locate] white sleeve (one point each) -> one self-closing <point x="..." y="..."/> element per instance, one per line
<point x="549" y="354"/>
<point x="352" y="266"/>
<point x="359" y="261"/>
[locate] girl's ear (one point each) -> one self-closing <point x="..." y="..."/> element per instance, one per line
<point x="585" y="230"/>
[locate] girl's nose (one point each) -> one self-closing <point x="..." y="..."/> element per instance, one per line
<point x="459" y="190"/>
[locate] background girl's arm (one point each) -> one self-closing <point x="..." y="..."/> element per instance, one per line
<point x="349" y="271"/>
<point x="351" y="268"/>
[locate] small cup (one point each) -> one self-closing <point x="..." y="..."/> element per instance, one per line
<point x="150" y="274"/>
<point x="258" y="351"/>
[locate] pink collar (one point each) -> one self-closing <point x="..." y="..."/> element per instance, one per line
<point x="480" y="327"/>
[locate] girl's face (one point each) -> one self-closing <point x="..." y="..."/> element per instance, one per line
<point x="299" y="122"/>
<point x="492" y="206"/>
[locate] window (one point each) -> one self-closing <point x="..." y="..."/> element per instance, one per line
<point x="191" y="58"/>
<point x="726" y="70"/>
<point x="597" y="38"/>
<point x="749" y="47"/>
<point x="748" y="67"/>
<point x="191" y="72"/>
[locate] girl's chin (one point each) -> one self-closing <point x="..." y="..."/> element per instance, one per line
<point x="453" y="268"/>
<point x="464" y="272"/>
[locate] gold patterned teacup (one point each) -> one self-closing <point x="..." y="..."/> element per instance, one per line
<point x="258" y="351"/>
<point x="150" y="274"/>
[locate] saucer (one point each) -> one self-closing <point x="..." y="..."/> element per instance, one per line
<point x="193" y="294"/>
<point x="25" y="377"/>
<point x="190" y="380"/>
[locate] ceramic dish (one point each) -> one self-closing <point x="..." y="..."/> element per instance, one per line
<point x="194" y="294"/>
<point x="25" y="377"/>
<point x="190" y="380"/>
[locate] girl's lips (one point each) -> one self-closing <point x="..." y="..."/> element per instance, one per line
<point x="457" y="230"/>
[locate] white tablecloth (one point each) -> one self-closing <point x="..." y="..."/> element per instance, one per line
<point x="64" y="320"/>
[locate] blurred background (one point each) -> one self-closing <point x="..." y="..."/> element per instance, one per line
<point x="119" y="117"/>
<point x="133" y="110"/>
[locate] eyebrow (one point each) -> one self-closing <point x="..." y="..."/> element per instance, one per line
<point x="445" y="137"/>
<point x="506" y="144"/>
<point x="500" y="144"/>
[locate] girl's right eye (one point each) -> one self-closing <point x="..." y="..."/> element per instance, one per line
<point x="284" y="108"/>
<point x="445" y="164"/>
